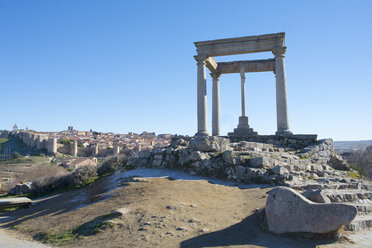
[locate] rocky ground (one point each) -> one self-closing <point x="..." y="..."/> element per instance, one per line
<point x="136" y="209"/>
<point x="316" y="168"/>
<point x="155" y="212"/>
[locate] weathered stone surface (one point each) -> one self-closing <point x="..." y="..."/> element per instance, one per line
<point x="209" y="144"/>
<point x="288" y="211"/>
<point x="197" y="155"/>
<point x="316" y="196"/>
<point x="280" y="170"/>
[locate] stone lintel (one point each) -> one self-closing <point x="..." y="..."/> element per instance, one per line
<point x="211" y="64"/>
<point x="240" y="45"/>
<point x="240" y="39"/>
<point x="249" y="66"/>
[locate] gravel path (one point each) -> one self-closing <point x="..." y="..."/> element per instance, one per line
<point x="8" y="240"/>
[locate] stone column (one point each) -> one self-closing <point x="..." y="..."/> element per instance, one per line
<point x="281" y="93"/>
<point x="216" y="104"/>
<point x="202" y="98"/>
<point x="243" y="120"/>
<point x="242" y="76"/>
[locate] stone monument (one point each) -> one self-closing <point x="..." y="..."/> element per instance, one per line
<point x="206" y="50"/>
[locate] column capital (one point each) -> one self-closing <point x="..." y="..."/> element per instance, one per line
<point x="279" y="51"/>
<point x="215" y="75"/>
<point x="242" y="71"/>
<point x="200" y="59"/>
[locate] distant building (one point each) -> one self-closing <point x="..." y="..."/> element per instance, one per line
<point x="15" y="128"/>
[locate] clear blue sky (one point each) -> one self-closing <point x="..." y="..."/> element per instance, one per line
<point x="126" y="66"/>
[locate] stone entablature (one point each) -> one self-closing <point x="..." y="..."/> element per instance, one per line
<point x="206" y="50"/>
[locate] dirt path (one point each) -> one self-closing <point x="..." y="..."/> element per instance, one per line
<point x="158" y="212"/>
<point x="8" y="240"/>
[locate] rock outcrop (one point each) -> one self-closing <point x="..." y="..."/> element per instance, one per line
<point x="317" y="168"/>
<point x="287" y="211"/>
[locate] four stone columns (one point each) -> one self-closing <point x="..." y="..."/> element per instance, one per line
<point x="281" y="97"/>
<point x="202" y="98"/>
<point x="281" y="92"/>
<point x="216" y="104"/>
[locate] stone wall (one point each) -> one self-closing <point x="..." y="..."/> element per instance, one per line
<point x="244" y="161"/>
<point x="38" y="140"/>
<point x="296" y="141"/>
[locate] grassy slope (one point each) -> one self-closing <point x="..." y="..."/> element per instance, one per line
<point x="2" y="141"/>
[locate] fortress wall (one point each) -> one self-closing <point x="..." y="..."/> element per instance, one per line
<point x="84" y="152"/>
<point x="61" y="148"/>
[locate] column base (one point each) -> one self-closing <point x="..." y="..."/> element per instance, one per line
<point x="283" y="133"/>
<point x="202" y="133"/>
<point x="215" y="133"/>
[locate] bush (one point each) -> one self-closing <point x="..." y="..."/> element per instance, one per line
<point x="64" y="141"/>
<point x="361" y="160"/>
<point x="112" y="163"/>
<point x="82" y="175"/>
<point x="45" y="185"/>
<point x="16" y="155"/>
<point x="77" y="178"/>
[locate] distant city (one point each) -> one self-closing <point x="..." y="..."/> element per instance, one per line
<point x="89" y="140"/>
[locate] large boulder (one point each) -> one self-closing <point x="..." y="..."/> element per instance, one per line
<point x="209" y="144"/>
<point x="288" y="211"/>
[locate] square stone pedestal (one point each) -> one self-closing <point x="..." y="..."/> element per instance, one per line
<point x="243" y="128"/>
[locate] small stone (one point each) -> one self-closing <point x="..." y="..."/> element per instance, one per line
<point x="184" y="229"/>
<point x="193" y="220"/>
<point x="172" y="207"/>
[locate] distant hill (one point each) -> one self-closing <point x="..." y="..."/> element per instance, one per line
<point x="352" y="145"/>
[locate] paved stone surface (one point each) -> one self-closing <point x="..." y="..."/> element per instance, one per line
<point x="288" y="211"/>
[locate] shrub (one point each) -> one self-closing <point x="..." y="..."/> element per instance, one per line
<point x="112" y="163"/>
<point x="77" y="178"/>
<point x="82" y="175"/>
<point x="64" y="141"/>
<point x="16" y="155"/>
<point x="45" y="185"/>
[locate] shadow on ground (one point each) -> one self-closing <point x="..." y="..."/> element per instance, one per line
<point x="62" y="203"/>
<point x="248" y="233"/>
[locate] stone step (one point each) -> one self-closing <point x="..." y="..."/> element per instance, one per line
<point x="363" y="208"/>
<point x="338" y="186"/>
<point x="359" y="223"/>
<point x="356" y="196"/>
